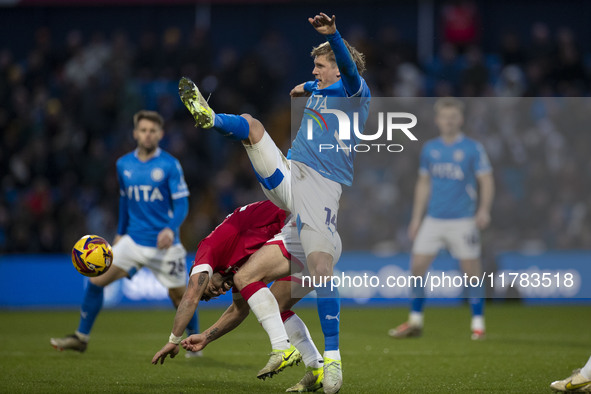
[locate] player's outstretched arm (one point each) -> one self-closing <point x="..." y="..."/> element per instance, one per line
<point x="184" y="313"/>
<point x="229" y="320"/>
<point x="347" y="67"/>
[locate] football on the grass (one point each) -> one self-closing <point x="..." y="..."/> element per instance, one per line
<point x="92" y="255"/>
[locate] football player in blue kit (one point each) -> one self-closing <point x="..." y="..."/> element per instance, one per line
<point x="455" y="188"/>
<point x="309" y="185"/>
<point x="153" y="204"/>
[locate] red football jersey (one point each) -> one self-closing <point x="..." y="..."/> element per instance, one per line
<point x="242" y="233"/>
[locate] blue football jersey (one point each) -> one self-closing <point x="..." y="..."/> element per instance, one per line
<point x="325" y="152"/>
<point x="150" y="188"/>
<point x="453" y="169"/>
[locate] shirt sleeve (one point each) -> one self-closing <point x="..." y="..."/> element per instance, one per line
<point x="482" y="163"/>
<point x="180" y="209"/>
<point x="203" y="259"/>
<point x="123" y="212"/>
<point x="347" y="67"/>
<point x="176" y="182"/>
<point x="424" y="162"/>
<point x="201" y="268"/>
<point x="310" y="86"/>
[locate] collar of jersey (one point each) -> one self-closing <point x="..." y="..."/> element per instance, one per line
<point x="458" y="139"/>
<point x="156" y="154"/>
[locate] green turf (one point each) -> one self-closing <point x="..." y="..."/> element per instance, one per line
<point x="526" y="348"/>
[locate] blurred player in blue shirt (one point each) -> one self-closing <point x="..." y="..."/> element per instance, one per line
<point x="455" y="188"/>
<point x="153" y="204"/>
<point x="317" y="177"/>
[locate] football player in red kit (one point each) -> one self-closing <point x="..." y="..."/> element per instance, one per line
<point x="219" y="256"/>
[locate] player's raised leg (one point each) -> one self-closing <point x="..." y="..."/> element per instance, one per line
<point x="271" y="167"/>
<point x="231" y="126"/>
<point x="92" y="303"/>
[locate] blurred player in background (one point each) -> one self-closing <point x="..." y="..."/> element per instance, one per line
<point x="153" y="204"/>
<point x="227" y="250"/>
<point x="579" y="381"/>
<point x="455" y="188"/>
<point x="317" y="178"/>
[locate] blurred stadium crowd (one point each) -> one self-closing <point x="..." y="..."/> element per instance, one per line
<point x="66" y="115"/>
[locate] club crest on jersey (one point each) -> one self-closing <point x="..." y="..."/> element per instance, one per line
<point x="157" y="174"/>
<point x="458" y="155"/>
<point x="435" y="154"/>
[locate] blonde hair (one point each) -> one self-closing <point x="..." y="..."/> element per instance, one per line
<point x="449" y="102"/>
<point x="324" y="49"/>
<point x="149" y="115"/>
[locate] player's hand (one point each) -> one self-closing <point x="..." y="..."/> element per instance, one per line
<point x="170" y="349"/>
<point x="298" y="91"/>
<point x="413" y="229"/>
<point x="165" y="238"/>
<point x="482" y="219"/>
<point x="323" y="24"/>
<point x="194" y="343"/>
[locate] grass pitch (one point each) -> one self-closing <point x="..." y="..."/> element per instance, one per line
<point x="527" y="347"/>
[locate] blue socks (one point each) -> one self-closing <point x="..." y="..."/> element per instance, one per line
<point x="91" y="306"/>
<point x="477" y="306"/>
<point x="231" y="126"/>
<point x="417" y="302"/>
<point x="476" y="298"/>
<point x="329" y="311"/>
<point x="193" y="326"/>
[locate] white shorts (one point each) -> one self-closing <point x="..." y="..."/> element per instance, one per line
<point x="291" y="246"/>
<point x="272" y="170"/>
<point x="169" y="266"/>
<point x="316" y="205"/>
<point x="312" y="198"/>
<point x="289" y="242"/>
<point x="459" y="236"/>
